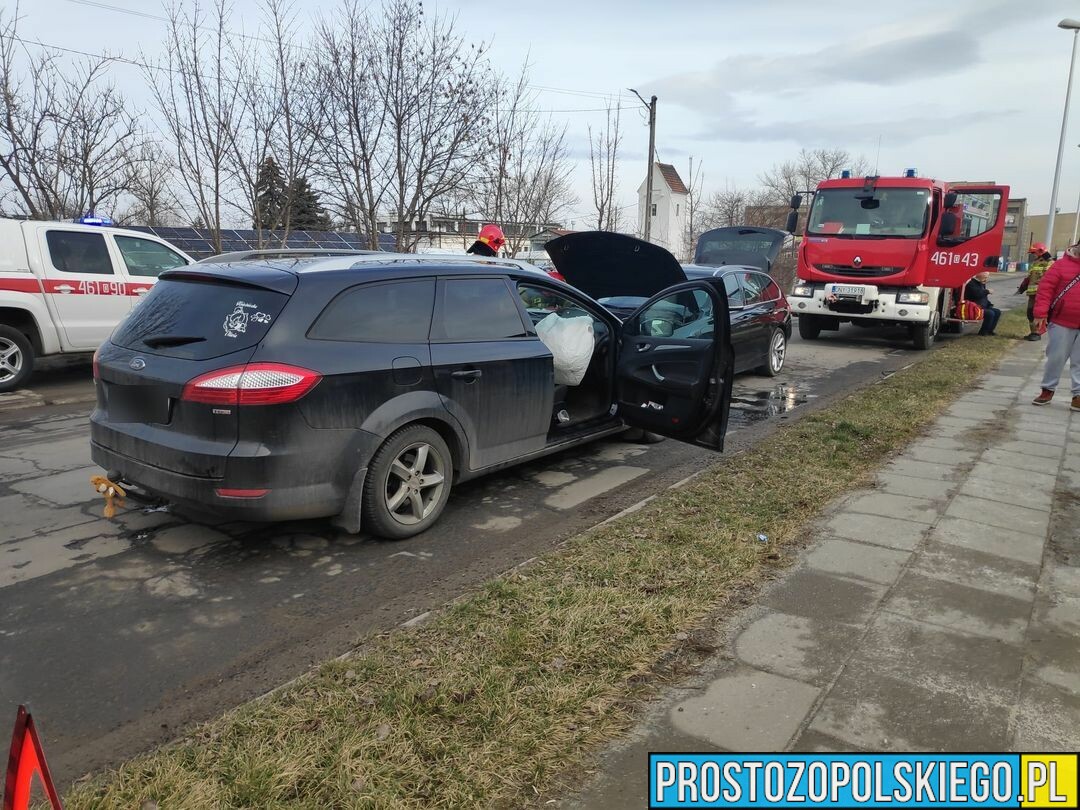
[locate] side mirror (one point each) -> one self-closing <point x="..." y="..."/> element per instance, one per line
<point x="792" y="221"/>
<point x="950" y="199"/>
<point x="796" y="202"/>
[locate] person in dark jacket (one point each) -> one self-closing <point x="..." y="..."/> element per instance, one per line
<point x="977" y="292"/>
<point x="1058" y="303"/>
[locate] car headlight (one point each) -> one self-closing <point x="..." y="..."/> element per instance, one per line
<point x="803" y="291"/>
<point x="913" y="298"/>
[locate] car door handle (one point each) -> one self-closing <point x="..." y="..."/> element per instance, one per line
<point x="467" y="374"/>
<point x="65" y="288"/>
<point x="141" y="290"/>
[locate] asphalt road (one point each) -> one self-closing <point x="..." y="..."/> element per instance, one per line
<point x="121" y="633"/>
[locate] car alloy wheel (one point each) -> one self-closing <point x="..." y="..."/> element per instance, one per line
<point x="11" y="360"/>
<point x="777" y="351"/>
<point x="414" y="487"/>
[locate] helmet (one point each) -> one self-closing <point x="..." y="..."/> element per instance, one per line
<point x="492" y="236"/>
<point x="1038" y="248"/>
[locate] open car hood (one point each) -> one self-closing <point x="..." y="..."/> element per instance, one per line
<point x="755" y="247"/>
<point x="605" y="265"/>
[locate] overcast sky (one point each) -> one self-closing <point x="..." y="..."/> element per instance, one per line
<point x="968" y="90"/>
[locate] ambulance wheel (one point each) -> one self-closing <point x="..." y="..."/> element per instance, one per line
<point x="809" y="327"/>
<point x="16" y="358"/>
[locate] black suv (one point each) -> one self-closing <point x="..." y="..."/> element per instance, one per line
<point x="365" y="386"/>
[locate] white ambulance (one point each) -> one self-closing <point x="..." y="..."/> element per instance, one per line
<point x="65" y="285"/>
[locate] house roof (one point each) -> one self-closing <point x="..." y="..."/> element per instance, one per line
<point x="671" y="177"/>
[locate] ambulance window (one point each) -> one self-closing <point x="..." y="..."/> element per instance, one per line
<point x="79" y="252"/>
<point x="143" y="257"/>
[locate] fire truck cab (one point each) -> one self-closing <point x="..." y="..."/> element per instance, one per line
<point x="895" y="251"/>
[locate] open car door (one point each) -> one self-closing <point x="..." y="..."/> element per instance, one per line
<point x="967" y="235"/>
<point x="675" y="363"/>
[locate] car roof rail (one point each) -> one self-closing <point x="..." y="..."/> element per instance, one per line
<point x="283" y="253"/>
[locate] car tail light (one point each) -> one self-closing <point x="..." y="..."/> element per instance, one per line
<point x="97" y="368"/>
<point x="240" y="493"/>
<point x="253" y="384"/>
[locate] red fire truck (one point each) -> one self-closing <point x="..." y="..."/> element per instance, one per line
<point x="895" y="251"/>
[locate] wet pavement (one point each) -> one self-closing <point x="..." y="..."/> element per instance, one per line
<point x="123" y="632"/>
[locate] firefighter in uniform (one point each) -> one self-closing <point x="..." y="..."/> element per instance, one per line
<point x="488" y="242"/>
<point x="1041" y="261"/>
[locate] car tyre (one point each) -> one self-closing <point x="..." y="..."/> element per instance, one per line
<point x="809" y="327"/>
<point x="776" y="355"/>
<point x="408" y="483"/>
<point x="16" y="358"/>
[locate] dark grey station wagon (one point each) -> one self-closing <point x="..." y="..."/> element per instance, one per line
<point x="367" y="386"/>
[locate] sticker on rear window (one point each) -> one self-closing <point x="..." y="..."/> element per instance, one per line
<point x="236" y="321"/>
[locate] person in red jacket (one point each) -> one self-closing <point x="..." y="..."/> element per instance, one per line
<point x="1057" y="302"/>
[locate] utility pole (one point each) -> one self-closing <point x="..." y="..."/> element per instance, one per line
<point x="650" y="105"/>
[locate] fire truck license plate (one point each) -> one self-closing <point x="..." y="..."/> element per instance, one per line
<point x="847" y="290"/>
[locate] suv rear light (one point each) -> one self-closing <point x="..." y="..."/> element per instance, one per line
<point x="253" y="384"/>
<point x="240" y="493"/>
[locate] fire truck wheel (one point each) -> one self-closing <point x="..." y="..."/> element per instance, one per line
<point x="16" y="358"/>
<point x="924" y="334"/>
<point x="809" y="327"/>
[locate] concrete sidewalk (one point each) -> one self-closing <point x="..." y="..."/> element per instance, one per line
<point x="938" y="611"/>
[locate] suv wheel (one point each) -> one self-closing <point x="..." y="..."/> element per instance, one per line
<point x="777" y="354"/>
<point x="408" y="483"/>
<point x="16" y="358"/>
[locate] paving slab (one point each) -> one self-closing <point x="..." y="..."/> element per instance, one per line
<point x="746" y="710"/>
<point x="877" y="530"/>
<point x="1002" y="515"/>
<point x="1043" y="479"/>
<point x="915" y="487"/>
<point x="905" y="508"/>
<point x="988" y="539"/>
<point x="1020" y="461"/>
<point x="973" y="612"/>
<point x="1051" y="452"/>
<point x="940" y="455"/>
<point x="858" y="561"/>
<point x="975" y="569"/>
<point x="808" y="650"/>
<point x="1029" y="497"/>
<point x="1047" y="718"/>
<point x="922" y="469"/>
<point x="824" y="597"/>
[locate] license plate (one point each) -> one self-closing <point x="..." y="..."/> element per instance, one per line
<point x="842" y="289"/>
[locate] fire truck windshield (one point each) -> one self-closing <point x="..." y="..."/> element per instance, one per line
<point x="850" y="213"/>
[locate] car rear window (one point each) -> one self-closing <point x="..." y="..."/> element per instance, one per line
<point x="198" y="319"/>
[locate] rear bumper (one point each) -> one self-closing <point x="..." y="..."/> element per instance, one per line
<point x="313" y="486"/>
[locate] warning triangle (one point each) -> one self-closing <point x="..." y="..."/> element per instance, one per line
<point x="26" y="759"/>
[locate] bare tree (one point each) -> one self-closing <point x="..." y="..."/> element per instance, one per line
<point x="431" y="83"/>
<point x="197" y="91"/>
<point x="352" y="153"/>
<point x="65" y="134"/>
<point x="693" y="209"/>
<point x="523" y="176"/>
<point x="150" y="186"/>
<point x="791" y="177"/>
<point x="603" y="162"/>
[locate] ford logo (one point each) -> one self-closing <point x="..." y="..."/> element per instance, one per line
<point x="137" y="363"/>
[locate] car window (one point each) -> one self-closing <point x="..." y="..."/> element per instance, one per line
<point x="733" y="290"/>
<point x="686" y="314"/>
<point x="772" y="291"/>
<point x="79" y="252"/>
<point x="395" y="312"/>
<point x="477" y="309"/>
<point x="144" y="257"/>
<point x="542" y="301"/>
<point x="753" y="287"/>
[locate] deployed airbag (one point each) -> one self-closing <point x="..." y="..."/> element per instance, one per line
<point x="570" y="341"/>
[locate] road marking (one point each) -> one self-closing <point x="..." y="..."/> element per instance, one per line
<point x="577" y="493"/>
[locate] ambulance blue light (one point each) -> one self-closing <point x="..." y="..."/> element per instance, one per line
<point x="910" y="173"/>
<point x="90" y="218"/>
<point x="845" y="174"/>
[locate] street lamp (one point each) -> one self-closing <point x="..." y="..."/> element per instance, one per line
<point x="1076" y="225"/>
<point x="1068" y="24"/>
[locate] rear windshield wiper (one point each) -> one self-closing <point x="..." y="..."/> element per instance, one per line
<point x="157" y="341"/>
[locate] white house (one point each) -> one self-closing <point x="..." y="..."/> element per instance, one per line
<point x="668" y="209"/>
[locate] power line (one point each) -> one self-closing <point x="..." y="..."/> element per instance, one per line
<point x="160" y="18"/>
<point x="163" y="69"/>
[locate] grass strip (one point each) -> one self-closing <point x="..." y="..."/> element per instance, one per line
<point x="520" y="680"/>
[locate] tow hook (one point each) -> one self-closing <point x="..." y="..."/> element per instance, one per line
<point x="113" y="494"/>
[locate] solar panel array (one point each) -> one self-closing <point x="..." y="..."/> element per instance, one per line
<point x="199" y="242"/>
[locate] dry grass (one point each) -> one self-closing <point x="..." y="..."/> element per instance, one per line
<point x="522" y="679"/>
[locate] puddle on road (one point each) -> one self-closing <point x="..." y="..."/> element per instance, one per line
<point x="757" y="406"/>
